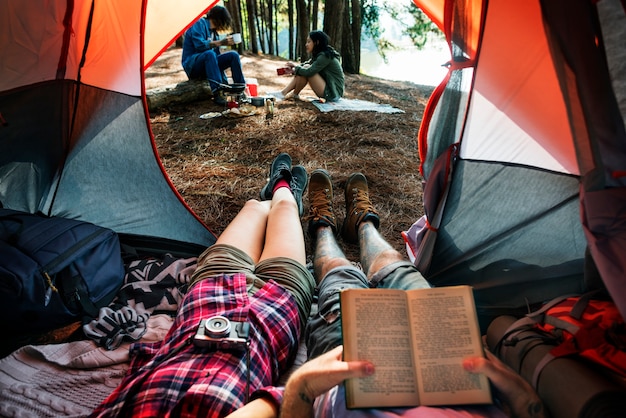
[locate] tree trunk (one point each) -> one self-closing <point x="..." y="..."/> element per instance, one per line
<point x="259" y="21"/>
<point x="357" y="23"/>
<point x="254" y="39"/>
<point x="315" y="8"/>
<point x="351" y="37"/>
<point x="333" y="22"/>
<point x="234" y="8"/>
<point x="183" y="92"/>
<point x="347" y="44"/>
<point x="290" y="13"/>
<point x="303" y="29"/>
<point x="269" y="18"/>
<point x="275" y="29"/>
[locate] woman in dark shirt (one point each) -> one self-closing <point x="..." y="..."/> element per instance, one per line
<point x="322" y="72"/>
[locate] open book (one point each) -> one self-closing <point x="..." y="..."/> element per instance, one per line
<point x="417" y="341"/>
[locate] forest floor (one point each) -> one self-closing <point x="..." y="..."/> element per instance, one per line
<point x="217" y="164"/>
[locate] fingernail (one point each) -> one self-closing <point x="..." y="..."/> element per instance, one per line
<point x="468" y="364"/>
<point x="369" y="369"/>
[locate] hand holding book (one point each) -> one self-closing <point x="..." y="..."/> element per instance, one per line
<point x="417" y="341"/>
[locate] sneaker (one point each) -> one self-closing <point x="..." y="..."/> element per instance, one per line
<point x="280" y="169"/>
<point x="358" y="208"/>
<point x="277" y="95"/>
<point x="299" y="180"/>
<point x="219" y="97"/>
<point x="321" y="202"/>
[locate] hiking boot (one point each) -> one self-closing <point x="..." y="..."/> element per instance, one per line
<point x="219" y="97"/>
<point x="299" y="180"/>
<point x="280" y="169"/>
<point x="358" y="208"/>
<point x="321" y="202"/>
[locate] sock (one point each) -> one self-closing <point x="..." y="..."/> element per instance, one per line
<point x="281" y="183"/>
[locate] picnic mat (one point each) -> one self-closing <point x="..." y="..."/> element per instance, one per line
<point x="355" y="105"/>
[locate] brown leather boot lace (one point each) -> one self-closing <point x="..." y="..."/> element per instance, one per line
<point x="321" y="208"/>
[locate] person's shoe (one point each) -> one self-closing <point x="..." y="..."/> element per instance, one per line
<point x="277" y="95"/>
<point x="321" y="202"/>
<point x="219" y="97"/>
<point x="299" y="180"/>
<point x="358" y="208"/>
<point x="280" y="169"/>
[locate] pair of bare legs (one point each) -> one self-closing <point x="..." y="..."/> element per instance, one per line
<point x="268" y="229"/>
<point x="298" y="82"/>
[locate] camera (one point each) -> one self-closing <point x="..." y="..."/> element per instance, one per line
<point x="219" y="333"/>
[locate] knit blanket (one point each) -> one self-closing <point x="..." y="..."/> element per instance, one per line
<point x="68" y="379"/>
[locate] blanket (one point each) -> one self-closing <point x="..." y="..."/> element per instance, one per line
<point x="68" y="379"/>
<point x="150" y="286"/>
<point x="355" y="105"/>
<point x="72" y="378"/>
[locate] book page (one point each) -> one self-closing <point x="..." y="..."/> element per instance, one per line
<point x="446" y="331"/>
<point x="376" y="328"/>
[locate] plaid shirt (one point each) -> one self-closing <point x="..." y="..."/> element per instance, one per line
<point x="198" y="381"/>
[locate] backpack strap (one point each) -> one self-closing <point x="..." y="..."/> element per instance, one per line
<point x="540" y="316"/>
<point x="78" y="293"/>
<point x="583" y="301"/>
<point x="575" y="312"/>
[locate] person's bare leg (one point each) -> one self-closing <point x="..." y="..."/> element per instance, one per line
<point x="247" y="230"/>
<point x="292" y="85"/>
<point x="318" y="84"/>
<point x="376" y="252"/>
<point x="301" y="83"/>
<point x="328" y="255"/>
<point x="284" y="236"/>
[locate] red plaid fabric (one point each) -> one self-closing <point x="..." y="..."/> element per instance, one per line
<point x="194" y="381"/>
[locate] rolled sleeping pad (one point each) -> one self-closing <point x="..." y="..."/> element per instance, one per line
<point x="569" y="387"/>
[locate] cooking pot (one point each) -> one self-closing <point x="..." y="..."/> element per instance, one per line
<point x="235" y="88"/>
<point x="257" y="101"/>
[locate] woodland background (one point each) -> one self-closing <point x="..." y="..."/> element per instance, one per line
<point x="280" y="27"/>
<point x="217" y="164"/>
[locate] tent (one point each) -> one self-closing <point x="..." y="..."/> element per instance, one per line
<point x="523" y="151"/>
<point x="528" y="126"/>
<point x="75" y="138"/>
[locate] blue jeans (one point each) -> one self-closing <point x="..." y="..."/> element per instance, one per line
<point x="211" y="66"/>
<point x="323" y="331"/>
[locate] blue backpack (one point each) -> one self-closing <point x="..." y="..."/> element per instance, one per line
<point x="54" y="271"/>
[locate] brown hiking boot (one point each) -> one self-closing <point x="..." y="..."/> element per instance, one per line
<point x="321" y="201"/>
<point x="358" y="208"/>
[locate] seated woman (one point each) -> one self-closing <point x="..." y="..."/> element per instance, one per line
<point x="322" y="72"/>
<point x="202" y="58"/>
